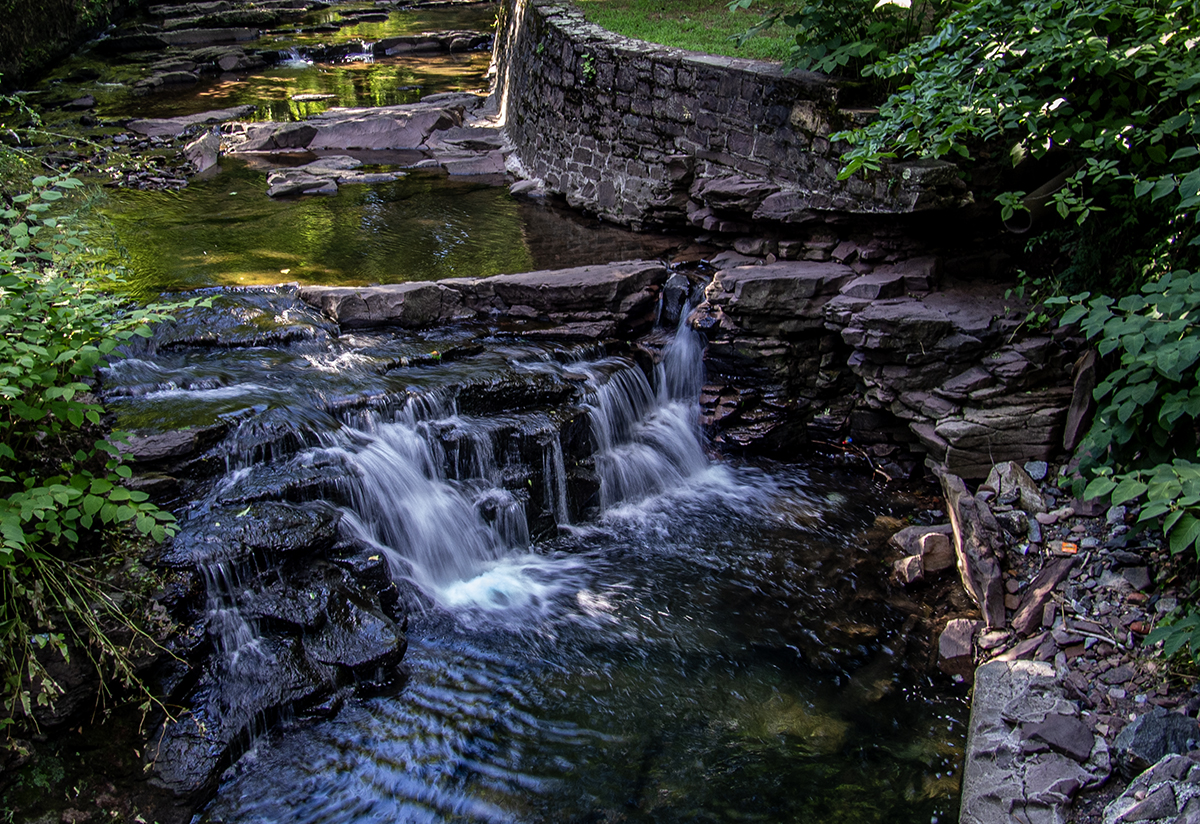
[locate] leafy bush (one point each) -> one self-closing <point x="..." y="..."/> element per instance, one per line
<point x="847" y="36"/>
<point x="62" y="505"/>
<point x="1143" y="443"/>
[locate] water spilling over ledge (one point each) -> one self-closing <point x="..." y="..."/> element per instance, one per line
<point x="600" y="616"/>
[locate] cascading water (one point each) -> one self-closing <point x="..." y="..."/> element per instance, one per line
<point x="646" y="436"/>
<point x="614" y="623"/>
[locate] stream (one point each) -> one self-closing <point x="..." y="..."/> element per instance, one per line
<point x="607" y="620"/>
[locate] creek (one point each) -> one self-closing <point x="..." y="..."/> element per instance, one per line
<point x="607" y="620"/>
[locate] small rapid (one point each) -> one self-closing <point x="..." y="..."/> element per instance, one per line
<point x="605" y="618"/>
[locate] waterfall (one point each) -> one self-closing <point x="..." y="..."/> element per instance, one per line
<point x="647" y="438"/>
<point x="426" y="487"/>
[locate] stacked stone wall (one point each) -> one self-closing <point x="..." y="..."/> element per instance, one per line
<point x="643" y="134"/>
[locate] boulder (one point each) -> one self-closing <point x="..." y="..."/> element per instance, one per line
<point x="977" y="542"/>
<point x="1152" y="736"/>
<point x="1013" y="485"/>
<point x="1028" y="752"/>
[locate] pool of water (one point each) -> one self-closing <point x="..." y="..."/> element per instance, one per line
<point x="225" y="231"/>
<point x="714" y="641"/>
<point x="360" y="80"/>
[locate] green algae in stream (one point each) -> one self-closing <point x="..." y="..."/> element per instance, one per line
<point x="225" y="231"/>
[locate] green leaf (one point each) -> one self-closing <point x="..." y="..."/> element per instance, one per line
<point x="1099" y="488"/>
<point x="1127" y="490"/>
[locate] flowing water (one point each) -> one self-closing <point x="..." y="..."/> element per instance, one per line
<point x="687" y="639"/>
<point x="608" y="621"/>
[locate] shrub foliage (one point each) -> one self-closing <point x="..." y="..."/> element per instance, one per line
<point x="63" y="509"/>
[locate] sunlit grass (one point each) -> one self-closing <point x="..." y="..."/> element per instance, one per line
<point x="699" y="25"/>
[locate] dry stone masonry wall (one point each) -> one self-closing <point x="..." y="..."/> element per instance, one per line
<point x="643" y="134"/>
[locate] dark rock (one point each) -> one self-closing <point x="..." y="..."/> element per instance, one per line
<point x="259" y="531"/>
<point x="676" y="292"/>
<point x="1152" y="736"/>
<point x="1064" y="733"/>
<point x="1079" y="413"/>
<point x="1138" y="577"/>
<point x="1028" y="616"/>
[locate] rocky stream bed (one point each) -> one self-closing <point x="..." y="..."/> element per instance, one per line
<point x="528" y="535"/>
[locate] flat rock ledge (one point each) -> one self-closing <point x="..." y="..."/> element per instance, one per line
<point x="610" y="300"/>
<point x="1028" y="751"/>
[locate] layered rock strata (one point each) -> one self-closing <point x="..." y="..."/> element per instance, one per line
<point x="816" y="346"/>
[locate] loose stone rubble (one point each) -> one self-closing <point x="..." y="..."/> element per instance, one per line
<point x="1077" y="598"/>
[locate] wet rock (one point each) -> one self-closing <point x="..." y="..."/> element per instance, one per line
<point x="259" y="531"/>
<point x="174" y="446"/>
<point x="355" y="635"/>
<point x="232" y="698"/>
<point x="1152" y="736"/>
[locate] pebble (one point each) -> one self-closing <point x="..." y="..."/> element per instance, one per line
<point x="1165" y="605"/>
<point x="1116" y="693"/>
<point x="1115" y="515"/>
<point x="1089" y="542"/>
<point x="1046" y="518"/>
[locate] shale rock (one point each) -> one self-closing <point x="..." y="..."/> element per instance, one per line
<point x="977" y="541"/>
<point x="1028" y="752"/>
<point x="1167" y="793"/>
<point x="587" y="301"/>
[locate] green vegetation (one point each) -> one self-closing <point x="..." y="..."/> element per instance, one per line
<point x="32" y="34"/>
<point x="1102" y="96"/>
<point x="846" y="36"/>
<point x="699" y="25"/>
<point x="65" y="518"/>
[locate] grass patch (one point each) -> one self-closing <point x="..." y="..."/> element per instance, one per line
<point x="700" y="25"/>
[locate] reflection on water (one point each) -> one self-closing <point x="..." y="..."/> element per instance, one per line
<point x="383" y="82"/>
<point x="225" y="231"/>
<point x="319" y="85"/>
